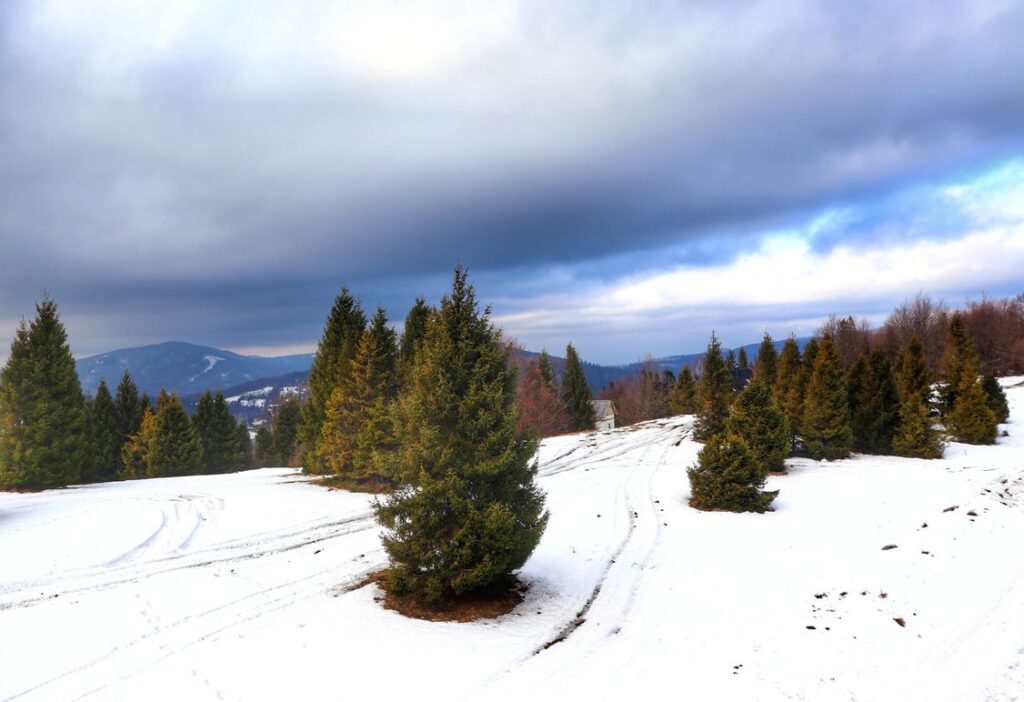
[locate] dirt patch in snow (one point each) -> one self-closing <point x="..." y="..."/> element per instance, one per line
<point x="483" y="604"/>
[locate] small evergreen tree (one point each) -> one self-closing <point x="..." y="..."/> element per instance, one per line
<point x="728" y="477"/>
<point x="683" y="397"/>
<point x="136" y="452"/>
<point x="415" y="329"/>
<point x="576" y="395"/>
<point x="915" y="435"/>
<point x="129" y="407"/>
<point x="912" y="372"/>
<point x="175" y="449"/>
<point x="789" y="384"/>
<point x="44" y="431"/>
<point x="757" y="421"/>
<point x="334" y="354"/>
<point x="218" y="435"/>
<point x="472" y="513"/>
<point x="285" y="434"/>
<point x="714" y="393"/>
<point x="244" y="443"/>
<point x="825" y="427"/>
<point x="766" y="365"/>
<point x="959" y="351"/>
<point x="264" y="454"/>
<point x="996" y="398"/>
<point x="971" y="421"/>
<point x="547" y="374"/>
<point x="874" y="403"/>
<point x="742" y="361"/>
<point x="106" y="436"/>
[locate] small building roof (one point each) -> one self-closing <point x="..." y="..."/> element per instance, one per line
<point x="603" y="409"/>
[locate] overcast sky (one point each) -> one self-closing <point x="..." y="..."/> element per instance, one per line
<point x="626" y="175"/>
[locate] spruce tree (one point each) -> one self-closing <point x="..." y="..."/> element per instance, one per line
<point x="874" y="403"/>
<point x="959" y="350"/>
<point x="244" y="445"/>
<point x="996" y="398"/>
<point x="728" y="477"/>
<point x="472" y="513"/>
<point x="682" y="399"/>
<point x="136" y="452"/>
<point x="789" y="384"/>
<point x="576" y="395"/>
<point x="105" y="428"/>
<point x="285" y="434"/>
<point x="334" y="354"/>
<point x="825" y="426"/>
<point x="714" y="393"/>
<point x="129" y="408"/>
<point x="971" y="421"/>
<point x="415" y="329"/>
<point x="263" y="452"/>
<point x="218" y="434"/>
<point x="742" y="361"/>
<point x="175" y="449"/>
<point x="547" y="374"/>
<point x="44" y="431"/>
<point x="757" y="421"/>
<point x="766" y="365"/>
<point x="915" y="436"/>
<point x="912" y="372"/>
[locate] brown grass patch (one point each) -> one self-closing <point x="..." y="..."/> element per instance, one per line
<point x="373" y="486"/>
<point x="490" y="603"/>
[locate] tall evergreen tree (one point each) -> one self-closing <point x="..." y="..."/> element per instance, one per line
<point x="244" y="443"/>
<point x="912" y="372"/>
<point x="472" y="513"/>
<point x="285" y="434"/>
<point x="789" y="384"/>
<point x="415" y="329"/>
<point x="44" y="432"/>
<point x="915" y="436"/>
<point x="136" y="452"/>
<point x="874" y="403"/>
<point x="547" y="374"/>
<point x="334" y="355"/>
<point x="742" y="360"/>
<point x="996" y="398"/>
<point x="971" y="421"/>
<point x="129" y="408"/>
<point x="757" y="421"/>
<point x="825" y="426"/>
<point x="218" y="434"/>
<point x="576" y="395"/>
<point x="175" y="449"/>
<point x="766" y="365"/>
<point x="105" y="427"/>
<point x="959" y="350"/>
<point x="263" y="451"/>
<point x="728" y="477"/>
<point x="714" y="393"/>
<point x="683" y="397"/>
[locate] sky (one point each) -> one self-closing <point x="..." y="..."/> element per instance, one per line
<point x="624" y="175"/>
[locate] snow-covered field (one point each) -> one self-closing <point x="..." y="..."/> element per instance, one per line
<point x="246" y="587"/>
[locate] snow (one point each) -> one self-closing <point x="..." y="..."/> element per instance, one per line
<point x="211" y="361"/>
<point x="247" y="586"/>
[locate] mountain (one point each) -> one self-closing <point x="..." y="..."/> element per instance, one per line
<point x="184" y="368"/>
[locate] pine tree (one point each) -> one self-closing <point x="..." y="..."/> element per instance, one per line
<point x="136" y="452"/>
<point x="874" y="403"/>
<point x="175" y="449"/>
<point x="105" y="428"/>
<point x="728" y="477"/>
<point x="285" y="434"/>
<point x="714" y="393"/>
<point x="971" y="421"/>
<point x="576" y="395"/>
<point x="357" y="413"/>
<point x="334" y="354"/>
<point x="912" y="372"/>
<point x="743" y="362"/>
<point x="415" y="329"/>
<point x="915" y="434"/>
<point x="766" y="365"/>
<point x="44" y="431"/>
<point x="959" y="349"/>
<point x="789" y="384"/>
<point x="218" y="434"/>
<point x="129" y="408"/>
<point x="996" y="398"/>
<point x="546" y="372"/>
<point x="264" y="454"/>
<point x="825" y="426"/>
<point x="244" y="445"/>
<point x="730" y="360"/>
<point x="683" y="397"/>
<point x="472" y="513"/>
<point x="757" y="421"/>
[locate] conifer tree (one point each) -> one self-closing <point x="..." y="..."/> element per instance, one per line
<point x="285" y="434"/>
<point x="874" y="403"/>
<point x="106" y="436"/>
<point x="915" y="436"/>
<point x="728" y="477"/>
<point x="789" y="384"/>
<point x="218" y="434"/>
<point x="576" y="395"/>
<point x="334" y="354"/>
<point x="714" y="393"/>
<point x="129" y="408"/>
<point x="415" y="329"/>
<point x="971" y="421"/>
<point x="766" y="365"/>
<point x="357" y="413"/>
<point x="959" y="350"/>
<point x="175" y="449"/>
<point x="757" y="421"/>
<point x="263" y="452"/>
<point x="683" y="397"/>
<point x="136" y="452"/>
<point x="742" y="360"/>
<point x="244" y="444"/>
<point x="472" y="513"/>
<point x="912" y="372"/>
<point x="825" y="426"/>
<point x="996" y="398"/>
<point x="730" y="360"/>
<point x="44" y="431"/>
<point x="547" y="374"/>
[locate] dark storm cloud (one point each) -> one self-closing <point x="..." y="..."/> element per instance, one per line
<point x="226" y="187"/>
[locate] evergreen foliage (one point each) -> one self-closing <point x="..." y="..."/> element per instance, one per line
<point x="959" y="352"/>
<point x="223" y="449"/>
<point x="136" y="452"/>
<point x="915" y="436"/>
<point x="415" y="329"/>
<point x="789" y="384"/>
<point x="742" y="361"/>
<point x="44" y="431"/>
<point x="728" y="477"/>
<point x="825" y="426"/>
<point x="129" y="408"/>
<point x="471" y="514"/>
<point x="757" y="421"/>
<point x="912" y="372"/>
<point x="284" y="448"/>
<point x="971" y="420"/>
<point x="263" y="451"/>
<point x="996" y="398"/>
<point x="105" y="428"/>
<point x="547" y="374"/>
<point x="682" y="399"/>
<point x="576" y="395"/>
<point x="766" y="365"/>
<point x="175" y="449"/>
<point x="874" y="403"/>
<point x="334" y="354"/>
<point x="245" y="460"/>
<point x="714" y="393"/>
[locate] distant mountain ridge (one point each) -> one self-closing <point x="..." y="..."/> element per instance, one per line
<point x="184" y="368"/>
